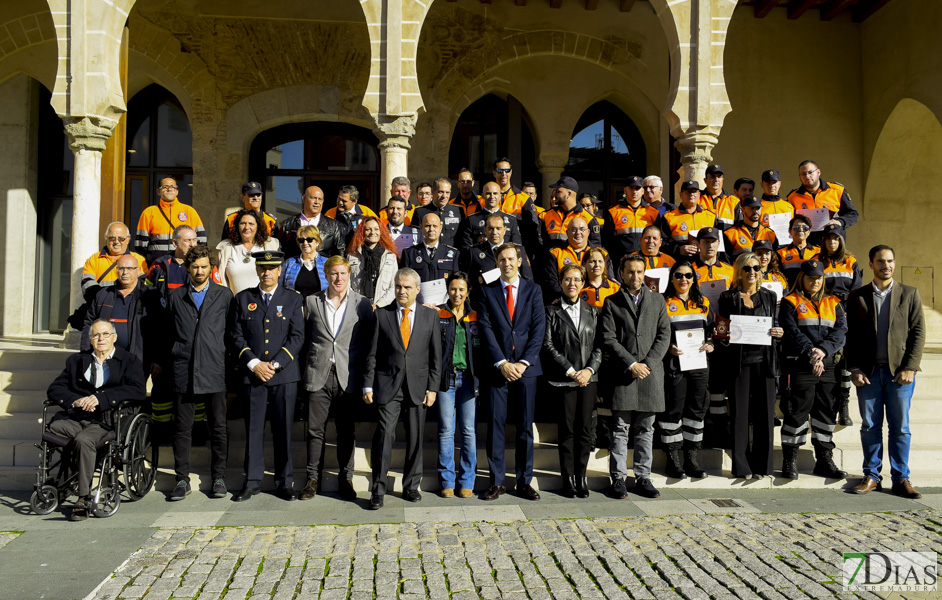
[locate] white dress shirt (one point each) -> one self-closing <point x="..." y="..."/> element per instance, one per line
<point x="101" y="376"/>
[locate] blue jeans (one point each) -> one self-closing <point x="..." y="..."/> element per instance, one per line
<point x="459" y="398"/>
<point x="883" y="396"/>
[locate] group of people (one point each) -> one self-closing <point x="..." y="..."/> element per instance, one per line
<point x="685" y="321"/>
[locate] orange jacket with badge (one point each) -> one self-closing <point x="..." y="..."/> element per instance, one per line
<point x="808" y="325"/>
<point x="596" y="295"/>
<point x="791" y="259"/>
<point x="474" y="204"/>
<point x="156" y="225"/>
<point x="657" y="261"/>
<point x="740" y="239"/>
<point x="556" y="222"/>
<point x="556" y="259"/>
<point x="679" y="223"/>
<point x="715" y="272"/>
<point x="774" y="205"/>
<point x="724" y="206"/>
<point x="621" y="231"/>
<point x="99" y="262"/>
<point x="831" y="196"/>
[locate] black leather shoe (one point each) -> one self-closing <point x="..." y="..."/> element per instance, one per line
<point x="525" y="490"/>
<point x="180" y="491"/>
<point x="286" y="493"/>
<point x="376" y="502"/>
<point x="569" y="487"/>
<point x="347" y="492"/>
<point x="582" y="487"/>
<point x="644" y="487"/>
<point x="619" y="490"/>
<point x="494" y="492"/>
<point x="245" y="494"/>
<point x="411" y="495"/>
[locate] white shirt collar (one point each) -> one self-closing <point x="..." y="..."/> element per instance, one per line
<point x="515" y="283"/>
<point x="263" y="292"/>
<point x="108" y="357"/>
<point x="400" y="307"/>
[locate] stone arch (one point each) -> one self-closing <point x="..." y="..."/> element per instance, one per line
<point x="28" y="46"/>
<point x="909" y="150"/>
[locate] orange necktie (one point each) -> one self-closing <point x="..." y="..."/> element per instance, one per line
<point x="404" y="328"/>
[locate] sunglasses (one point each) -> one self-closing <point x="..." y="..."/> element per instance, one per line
<point x="502" y="170"/>
<point x="305" y="240"/>
<point x="801" y="228"/>
<point x="116" y="238"/>
<point x="683" y="275"/>
<point x="750" y="269"/>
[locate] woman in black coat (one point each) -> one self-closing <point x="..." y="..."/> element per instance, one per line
<point x="569" y="342"/>
<point x="751" y="370"/>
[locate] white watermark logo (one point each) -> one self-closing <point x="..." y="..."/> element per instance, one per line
<point x="890" y="571"/>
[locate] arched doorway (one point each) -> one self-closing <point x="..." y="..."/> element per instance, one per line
<point x="489" y="129"/>
<point x="606" y="149"/>
<point x="289" y="158"/>
<point x="159" y="144"/>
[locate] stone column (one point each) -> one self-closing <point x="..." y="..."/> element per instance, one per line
<point x="551" y="168"/>
<point x="394" y="137"/>
<point x="696" y="152"/>
<point x="87" y="137"/>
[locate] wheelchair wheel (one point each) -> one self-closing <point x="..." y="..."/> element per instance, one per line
<point x="44" y="500"/>
<point x="139" y="458"/>
<point x="109" y="499"/>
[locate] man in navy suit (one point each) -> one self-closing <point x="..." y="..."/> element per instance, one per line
<point x="267" y="329"/>
<point x="513" y="321"/>
<point x="403" y="371"/>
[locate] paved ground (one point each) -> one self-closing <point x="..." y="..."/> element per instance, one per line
<point x="769" y="544"/>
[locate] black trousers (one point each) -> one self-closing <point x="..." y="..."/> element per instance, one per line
<point x="185" y="408"/>
<point x="277" y="402"/>
<point x="328" y="400"/>
<point x="817" y="397"/>
<point x="752" y="395"/>
<point x="85" y="436"/>
<point x="686" y="400"/>
<point x="387" y="417"/>
<point x="575" y="428"/>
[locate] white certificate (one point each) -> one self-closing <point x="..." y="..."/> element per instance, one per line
<point x="491" y="276"/>
<point x="776" y="288"/>
<point x="778" y="223"/>
<point x="403" y="241"/>
<point x="819" y="217"/>
<point x="746" y="329"/>
<point x="711" y="290"/>
<point x="657" y="278"/>
<point x="434" y="292"/>
<point x="689" y="342"/>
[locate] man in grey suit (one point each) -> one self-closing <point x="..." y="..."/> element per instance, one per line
<point x="339" y="324"/>
<point x="403" y="370"/>
<point x="636" y="333"/>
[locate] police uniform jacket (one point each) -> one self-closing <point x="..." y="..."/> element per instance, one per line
<point x="809" y="325"/>
<point x="332" y="238"/>
<point x="451" y="217"/>
<point x="272" y="333"/>
<point x="200" y="339"/>
<point x="481" y="259"/>
<point x="567" y="346"/>
<point x="125" y="383"/>
<point x="438" y="265"/>
<point x="471" y="230"/>
<point x="555" y="221"/>
<point x="841" y="278"/>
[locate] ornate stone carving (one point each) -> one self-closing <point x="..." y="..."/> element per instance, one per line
<point x="395" y="131"/>
<point x="88" y="133"/>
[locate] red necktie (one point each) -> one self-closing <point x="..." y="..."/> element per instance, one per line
<point x="510" y="301"/>
<point x="404" y="328"/>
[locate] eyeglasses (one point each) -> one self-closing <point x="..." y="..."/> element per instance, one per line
<point x="686" y="275"/>
<point x="101" y="336"/>
<point x="502" y="170"/>
<point x="572" y="280"/>
<point x="116" y="238"/>
<point x="126" y="269"/>
<point x="168" y="187"/>
<point x="579" y="230"/>
<point x="651" y="187"/>
<point x="306" y="240"/>
<point x="752" y="269"/>
<point x="801" y="228"/>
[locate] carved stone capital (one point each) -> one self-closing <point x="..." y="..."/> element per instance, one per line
<point x="88" y="133"/>
<point x="696" y="147"/>
<point x="552" y="162"/>
<point x="395" y="131"/>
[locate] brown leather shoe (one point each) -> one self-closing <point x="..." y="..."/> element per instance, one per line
<point x="309" y="491"/>
<point x="525" y="490"/>
<point x="494" y="492"/>
<point x="866" y="486"/>
<point x="905" y="489"/>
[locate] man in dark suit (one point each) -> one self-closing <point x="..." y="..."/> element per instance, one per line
<point x="267" y="329"/>
<point x="886" y="332"/>
<point x="431" y="258"/>
<point x="481" y="258"/>
<point x="513" y="321"/>
<point x="92" y="385"/>
<point x="403" y="370"/>
<point x="471" y="230"/>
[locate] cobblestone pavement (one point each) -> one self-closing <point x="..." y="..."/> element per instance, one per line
<point x="768" y="556"/>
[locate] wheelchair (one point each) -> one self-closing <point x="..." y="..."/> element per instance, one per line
<point x="126" y="465"/>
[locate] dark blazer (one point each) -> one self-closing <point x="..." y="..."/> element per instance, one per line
<point x="907" y="332"/>
<point x="633" y="334"/>
<point x="275" y="333"/>
<point x="519" y="340"/>
<point x="101" y="308"/>
<point x="125" y="382"/>
<point x="568" y="347"/>
<point x="730" y="357"/>
<point x="471" y="230"/>
<point x="441" y="265"/>
<point x="480" y="259"/>
<point x="389" y="364"/>
<point x="451" y="217"/>
<point x="200" y="338"/>
<point x="348" y="349"/>
<point x="332" y="239"/>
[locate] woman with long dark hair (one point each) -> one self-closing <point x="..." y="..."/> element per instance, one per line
<point x="373" y="262"/>
<point x="236" y="265"/>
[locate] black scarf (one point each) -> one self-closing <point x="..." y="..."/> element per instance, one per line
<point x="372" y="262"/>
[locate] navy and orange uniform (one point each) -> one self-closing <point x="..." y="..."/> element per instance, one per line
<point x="450" y="215"/>
<point x="621" y="231"/>
<point x="440" y="264"/>
<point x="596" y="295"/>
<point x="775" y="205"/>
<point x="740" y="238"/>
<point x="678" y="224"/>
<point x="775" y="276"/>
<point x="98" y="271"/>
<point x="556" y="222"/>
<point x="480" y="259"/>
<point x="657" y="261"/>
<point x="791" y="259"/>
<point x="156" y="225"/>
<point x="686" y="398"/>
<point x="358" y="209"/>
<point x="519" y="204"/>
<point x="831" y="196"/>
<point x="715" y="272"/>
<point x="469" y="206"/>
<point x="808" y="326"/>
<point x="841" y="278"/>
<point x="556" y="259"/>
<point x="384" y="216"/>
<point x="724" y="206"/>
<point x="471" y="230"/>
<point x="231" y="214"/>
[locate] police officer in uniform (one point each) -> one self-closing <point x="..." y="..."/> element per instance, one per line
<point x="815" y="193"/>
<point x="471" y="230"/>
<point x="481" y="258"/>
<point x="450" y="214"/>
<point x="267" y="328"/>
<point x="556" y="220"/>
<point x="430" y="258"/>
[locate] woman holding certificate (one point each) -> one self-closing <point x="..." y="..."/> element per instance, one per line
<point x="816" y="327"/>
<point x="686" y="398"/>
<point x="747" y="311"/>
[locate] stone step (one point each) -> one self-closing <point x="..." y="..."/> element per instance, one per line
<point x="40" y="358"/>
<point x="28" y="379"/>
<point x="22" y="402"/>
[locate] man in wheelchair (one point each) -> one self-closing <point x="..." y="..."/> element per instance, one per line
<point x="89" y="390"/>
